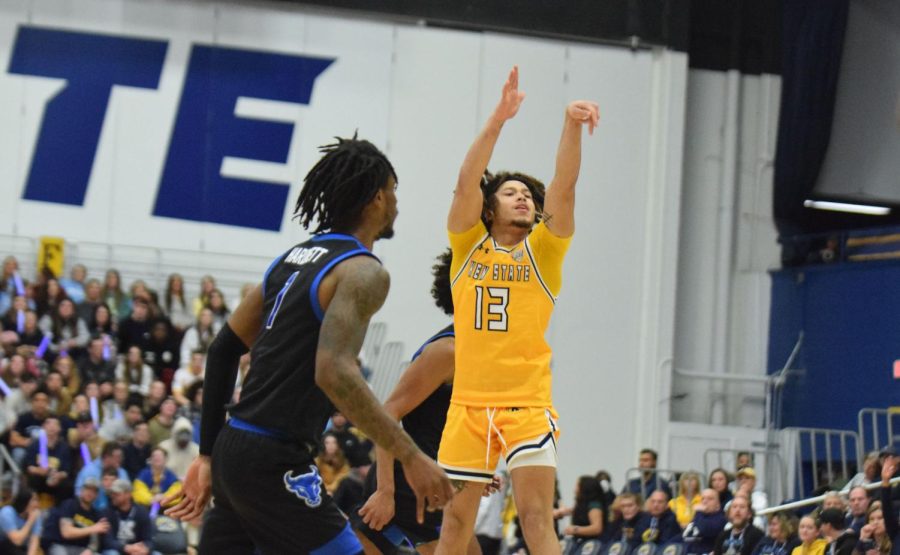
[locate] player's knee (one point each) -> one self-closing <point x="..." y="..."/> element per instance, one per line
<point x="535" y="520"/>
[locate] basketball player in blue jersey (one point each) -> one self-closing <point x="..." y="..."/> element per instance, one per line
<point x="306" y="323"/>
<point x="420" y="399"/>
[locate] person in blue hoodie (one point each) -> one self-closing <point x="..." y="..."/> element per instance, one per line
<point x="709" y="521"/>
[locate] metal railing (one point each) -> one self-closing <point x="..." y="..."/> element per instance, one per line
<point x="6" y="460"/>
<point x="824" y="450"/>
<point x="871" y="422"/>
<point x="768" y="464"/>
<point x="815" y="500"/>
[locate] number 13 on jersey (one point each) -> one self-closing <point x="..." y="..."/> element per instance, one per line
<point x="495" y="305"/>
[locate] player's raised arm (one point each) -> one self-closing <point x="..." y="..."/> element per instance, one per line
<point x="362" y="285"/>
<point x="467" y="198"/>
<point x="559" y="204"/>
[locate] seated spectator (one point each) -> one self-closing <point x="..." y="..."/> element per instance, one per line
<point x="92" y="298"/>
<point x="832" y="526"/>
<point x="627" y="513"/>
<point x="131" y="531"/>
<point x="889" y="466"/>
<point x="185" y="377"/>
<point x="137" y="451"/>
<point x="140" y="291"/>
<point x="51" y="475"/>
<point x="71" y="375"/>
<point x="113" y="295"/>
<point x="48" y="296"/>
<point x="332" y="463"/>
<point x="74" y="284"/>
<point x="155" y="481"/>
<point x="207" y="284"/>
<point x="810" y="542"/>
<point x="134" y="373"/>
<point x="32" y="337"/>
<point x="216" y="304"/>
<point x="746" y="486"/>
<point x="869" y="475"/>
<point x="718" y="480"/>
<point x="873" y="537"/>
<point x="21" y="524"/>
<point x="103" y="325"/>
<point x="19" y="400"/>
<point x="84" y="433"/>
<point x="174" y="305"/>
<point x="155" y="399"/>
<point x="658" y="524"/>
<point x="120" y="415"/>
<point x="161" y="425"/>
<point x="163" y="355"/>
<point x="8" y="283"/>
<point x="134" y="330"/>
<point x="60" y="400"/>
<point x="97" y="365"/>
<point x="649" y="481"/>
<point x="588" y="512"/>
<point x="709" y="521"/>
<point x="349" y="437"/>
<point x="684" y="505"/>
<point x="858" y="500"/>
<point x="14" y="318"/>
<point x="609" y="493"/>
<point x="28" y="425"/>
<point x="199" y="337"/>
<point x="833" y="500"/>
<point x="180" y="447"/>
<point x="69" y="529"/>
<point x="69" y="332"/>
<point x="782" y="536"/>
<point x="110" y="459"/>
<point x="743" y="536"/>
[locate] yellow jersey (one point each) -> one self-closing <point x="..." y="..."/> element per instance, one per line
<point x="503" y="298"/>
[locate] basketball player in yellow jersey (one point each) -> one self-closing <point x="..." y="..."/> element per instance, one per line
<point x="508" y="240"/>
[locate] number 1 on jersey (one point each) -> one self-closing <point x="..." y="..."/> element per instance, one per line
<point x="280" y="298"/>
<point x="498" y="300"/>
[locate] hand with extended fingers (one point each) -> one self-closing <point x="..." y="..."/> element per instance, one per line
<point x="584" y="111"/>
<point x="510" y="99"/>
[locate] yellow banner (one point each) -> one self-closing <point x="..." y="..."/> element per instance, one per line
<point x="52" y="254"/>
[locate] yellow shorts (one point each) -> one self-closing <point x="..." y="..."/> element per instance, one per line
<point x="475" y="437"/>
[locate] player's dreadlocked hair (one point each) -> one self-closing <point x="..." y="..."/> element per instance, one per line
<point x="491" y="182"/>
<point x="341" y="184"/>
<point x="440" y="289"/>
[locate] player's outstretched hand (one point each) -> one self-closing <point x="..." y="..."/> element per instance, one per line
<point x="378" y="510"/>
<point x="584" y="111"/>
<point x="493" y="487"/>
<point x="511" y="98"/>
<point x="428" y="482"/>
<point x="195" y="492"/>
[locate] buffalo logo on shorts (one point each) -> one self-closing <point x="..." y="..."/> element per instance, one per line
<point x="307" y="487"/>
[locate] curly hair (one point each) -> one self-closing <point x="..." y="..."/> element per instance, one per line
<point x="490" y="183"/>
<point x="440" y="288"/>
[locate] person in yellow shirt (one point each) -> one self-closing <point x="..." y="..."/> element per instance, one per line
<point x="811" y="542"/>
<point x="156" y="481"/>
<point x="684" y="504"/>
<point x="508" y="239"/>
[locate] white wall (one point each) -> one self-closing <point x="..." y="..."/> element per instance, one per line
<point x="421" y="94"/>
<point x="742" y="324"/>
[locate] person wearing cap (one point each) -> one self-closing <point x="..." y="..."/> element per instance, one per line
<point x="746" y="485"/>
<point x="76" y="525"/>
<point x="743" y="536"/>
<point x="841" y="540"/>
<point x="110" y="458"/>
<point x="85" y="433"/>
<point x="131" y="531"/>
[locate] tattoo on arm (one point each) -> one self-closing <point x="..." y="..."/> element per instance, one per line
<point x="458" y="485"/>
<point x="359" y="294"/>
